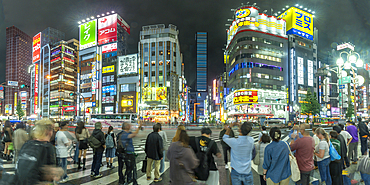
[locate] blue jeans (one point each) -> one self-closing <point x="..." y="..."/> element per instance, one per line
<point x="325" y="170"/>
<point x="96" y="162"/>
<point x="63" y="164"/>
<point x="363" y="145"/>
<point x="237" y="178"/>
<point x="366" y="178"/>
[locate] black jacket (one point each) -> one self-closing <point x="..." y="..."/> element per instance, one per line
<point x="99" y="135"/>
<point x="222" y="133"/>
<point x="154" y="146"/>
<point x="364" y="130"/>
<point x="32" y="157"/>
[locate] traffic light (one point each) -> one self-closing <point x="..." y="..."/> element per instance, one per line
<point x="24" y="86"/>
<point x="72" y="94"/>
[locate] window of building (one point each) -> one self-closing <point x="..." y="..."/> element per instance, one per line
<point x="153" y="84"/>
<point x="160" y="43"/>
<point x="145" y="63"/>
<point x="153" y="63"/>
<point x="160" y="63"/>
<point x="160" y="73"/>
<point x="145" y="74"/>
<point x="153" y="73"/>
<point x="301" y="43"/>
<point x="153" y="53"/>
<point x="160" y="53"/>
<point x="153" y="44"/>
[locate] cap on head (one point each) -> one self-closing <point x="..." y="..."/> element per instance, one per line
<point x="97" y="125"/>
<point x="56" y="125"/>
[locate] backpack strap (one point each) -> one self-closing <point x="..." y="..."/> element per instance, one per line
<point x="197" y="140"/>
<point x="209" y="146"/>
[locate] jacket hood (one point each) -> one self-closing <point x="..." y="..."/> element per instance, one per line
<point x="178" y="150"/>
<point x="96" y="131"/>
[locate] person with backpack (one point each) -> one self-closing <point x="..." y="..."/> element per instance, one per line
<point x="225" y="147"/>
<point x="205" y="148"/>
<point x="97" y="143"/>
<point x="126" y="154"/>
<point x="154" y="152"/>
<point x="242" y="154"/>
<point x="82" y="135"/>
<point x="110" y="143"/>
<point x="336" y="166"/>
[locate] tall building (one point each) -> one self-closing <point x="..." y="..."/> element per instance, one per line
<point x="201" y="39"/>
<point x="160" y="75"/>
<point x="51" y="36"/>
<point x="18" y="58"/>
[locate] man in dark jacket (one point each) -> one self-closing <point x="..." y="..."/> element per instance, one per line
<point x="154" y="152"/>
<point x="343" y="142"/>
<point x="225" y="147"/>
<point x="364" y="134"/>
<point x="98" y="152"/>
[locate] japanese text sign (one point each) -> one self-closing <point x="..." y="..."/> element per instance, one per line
<point x="127" y="64"/>
<point x="36" y="48"/>
<point x="245" y="97"/>
<point x="298" y="22"/>
<point x="88" y="35"/>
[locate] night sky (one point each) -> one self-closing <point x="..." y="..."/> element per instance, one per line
<point x="337" y="20"/>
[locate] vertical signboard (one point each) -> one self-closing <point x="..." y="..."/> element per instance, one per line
<point x="88" y="35"/>
<point x="94" y="80"/>
<point x="298" y="22"/>
<point x="300" y="71"/>
<point x="15" y="101"/>
<point x="36" y="47"/>
<point x="36" y="99"/>
<point x="292" y="78"/>
<point x="107" y="29"/>
<point x="310" y="72"/>
<point x="24" y="99"/>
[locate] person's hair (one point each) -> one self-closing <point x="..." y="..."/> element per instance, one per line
<point x="246" y="128"/>
<point x="263" y="128"/>
<point x="305" y="126"/>
<point x="359" y="119"/>
<point x="206" y="130"/>
<point x="314" y="129"/>
<point x="80" y="127"/>
<point x="41" y="128"/>
<point x="177" y="134"/>
<point x="321" y="131"/>
<point x="63" y="123"/>
<point x="295" y="127"/>
<point x="333" y="134"/>
<point x="341" y="126"/>
<point x="265" y="138"/>
<point x="7" y="123"/>
<point x="184" y="138"/>
<point x="110" y="129"/>
<point x="156" y="127"/>
<point x="20" y="125"/>
<point x="350" y="122"/>
<point x="275" y="134"/>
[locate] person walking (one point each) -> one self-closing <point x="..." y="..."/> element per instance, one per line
<point x="260" y="147"/>
<point x="61" y="144"/>
<point x="177" y="134"/>
<point x="276" y="164"/>
<point x="98" y="150"/>
<point x="110" y="143"/>
<point x="225" y="148"/>
<point x="126" y="154"/>
<point x="8" y="138"/>
<point x="241" y="154"/>
<point x="154" y="152"/>
<point x="204" y="146"/>
<point x="82" y="134"/>
<point x="165" y="148"/>
<point x="304" y="148"/>
<point x="364" y="135"/>
<point x="343" y="145"/>
<point x="352" y="151"/>
<point x="20" y="137"/>
<point x="322" y="154"/>
<point x="41" y="167"/>
<point x="182" y="160"/>
<point x="336" y="166"/>
<point x="263" y="128"/>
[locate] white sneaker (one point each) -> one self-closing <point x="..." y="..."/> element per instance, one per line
<point x="226" y="167"/>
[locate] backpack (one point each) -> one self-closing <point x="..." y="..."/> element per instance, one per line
<point x="109" y="143"/>
<point x="93" y="142"/>
<point x="202" y="171"/>
<point x="121" y="149"/>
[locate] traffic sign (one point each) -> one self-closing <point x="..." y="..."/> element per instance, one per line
<point x="1" y="88"/>
<point x="341" y="86"/>
<point x="346" y="80"/>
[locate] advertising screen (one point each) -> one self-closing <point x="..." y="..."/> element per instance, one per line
<point x="36" y="47"/>
<point x="107" y="29"/>
<point x="127" y="64"/>
<point x="88" y="35"/>
<point x="245" y="97"/>
<point x="109" y="48"/>
<point x="298" y="22"/>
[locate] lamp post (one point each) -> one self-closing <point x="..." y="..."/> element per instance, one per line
<point x="352" y="58"/>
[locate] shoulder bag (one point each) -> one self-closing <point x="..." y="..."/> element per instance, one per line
<point x="256" y="159"/>
<point x="295" y="172"/>
<point x="333" y="153"/>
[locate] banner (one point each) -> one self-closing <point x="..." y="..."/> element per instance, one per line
<point x="107" y="29"/>
<point x="36" y="99"/>
<point x="36" y="48"/>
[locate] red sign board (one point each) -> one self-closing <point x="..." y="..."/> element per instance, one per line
<point x="107" y="29"/>
<point x="36" y="48"/>
<point x="109" y="48"/>
<point x="36" y="98"/>
<point x="69" y="108"/>
<point x="123" y="24"/>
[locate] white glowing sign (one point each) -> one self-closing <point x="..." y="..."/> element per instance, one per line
<point x="292" y="88"/>
<point x="127" y="64"/>
<point x="300" y="71"/>
<point x="310" y="72"/>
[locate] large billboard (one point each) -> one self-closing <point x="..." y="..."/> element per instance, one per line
<point x="107" y="29"/>
<point x="36" y="48"/>
<point x="127" y="64"/>
<point x="36" y="98"/>
<point x="88" y="37"/>
<point x="298" y="22"/>
<point x="123" y="24"/>
<point x="109" y="48"/>
<point x="245" y="97"/>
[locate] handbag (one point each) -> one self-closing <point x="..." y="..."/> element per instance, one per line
<point x="256" y="159"/>
<point x="333" y="153"/>
<point x="145" y="163"/>
<point x="295" y="172"/>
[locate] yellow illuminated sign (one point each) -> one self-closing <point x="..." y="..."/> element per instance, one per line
<point x="127" y="103"/>
<point x="108" y="69"/>
<point x="245" y="96"/>
<point x="243" y="13"/>
<point x="298" y="22"/>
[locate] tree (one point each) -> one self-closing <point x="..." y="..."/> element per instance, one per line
<point x="310" y="105"/>
<point x="350" y="111"/>
<point x="20" y="111"/>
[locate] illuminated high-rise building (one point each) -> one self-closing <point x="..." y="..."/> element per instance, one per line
<point x="201" y="38"/>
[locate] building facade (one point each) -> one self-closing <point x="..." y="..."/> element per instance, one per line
<point x="18" y="58"/>
<point x="160" y="73"/>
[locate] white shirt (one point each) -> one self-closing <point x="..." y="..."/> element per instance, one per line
<point x="323" y="145"/>
<point x="261" y="133"/>
<point x="61" y="143"/>
<point x="345" y="135"/>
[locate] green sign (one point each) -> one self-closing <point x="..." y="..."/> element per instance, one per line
<point x="346" y="80"/>
<point x="88" y="35"/>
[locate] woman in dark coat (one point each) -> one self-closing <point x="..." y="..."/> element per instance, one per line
<point x="182" y="161"/>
